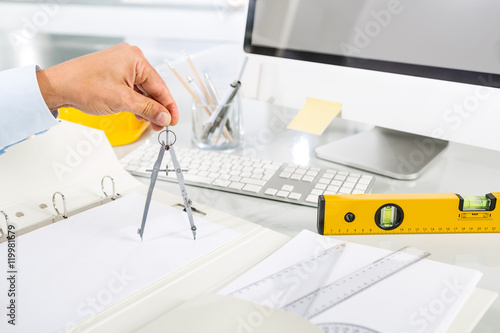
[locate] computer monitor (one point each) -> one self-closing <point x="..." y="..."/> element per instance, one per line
<point x="423" y="72"/>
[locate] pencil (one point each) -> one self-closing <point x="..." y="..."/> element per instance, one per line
<point x="225" y="132"/>
<point x="198" y="78"/>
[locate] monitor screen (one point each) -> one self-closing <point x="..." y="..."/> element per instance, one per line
<point x="424" y="67"/>
<point x="456" y="40"/>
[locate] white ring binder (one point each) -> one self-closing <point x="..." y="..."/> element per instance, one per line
<point x="2" y="233"/>
<point x="114" y="195"/>
<point x="65" y="215"/>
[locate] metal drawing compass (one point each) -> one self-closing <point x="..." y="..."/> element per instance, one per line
<point x="167" y="145"/>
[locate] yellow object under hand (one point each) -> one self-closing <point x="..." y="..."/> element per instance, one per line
<point x="120" y="128"/>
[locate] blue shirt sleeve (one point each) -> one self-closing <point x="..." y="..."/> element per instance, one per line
<point x="23" y="111"/>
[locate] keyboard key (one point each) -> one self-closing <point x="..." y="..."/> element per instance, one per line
<point x="352" y="179"/>
<point x="285" y="175"/>
<point x="301" y="171"/>
<point x="361" y="187"/>
<point x="282" y="194"/>
<point x="236" y="185"/>
<point x="308" y="179"/>
<point x="252" y="188"/>
<point x="333" y="189"/>
<point x="221" y="183"/>
<point x="271" y="191"/>
<point x="340" y="177"/>
<point x="270" y="167"/>
<point x="294" y="196"/>
<point x="317" y="192"/>
<point x="198" y="179"/>
<point x="364" y="181"/>
<point x="320" y="186"/>
<point x="234" y="172"/>
<point x="295" y="176"/>
<point x="337" y="182"/>
<point x="312" y="198"/>
<point x="253" y="181"/>
<point x="312" y="173"/>
<point x="267" y="177"/>
<point x="344" y="190"/>
<point x="324" y="181"/>
<point x="258" y="170"/>
<point x="348" y="185"/>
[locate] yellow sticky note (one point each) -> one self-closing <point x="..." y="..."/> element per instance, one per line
<point x="315" y="116"/>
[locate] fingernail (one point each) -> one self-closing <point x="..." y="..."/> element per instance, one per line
<point x="162" y="119"/>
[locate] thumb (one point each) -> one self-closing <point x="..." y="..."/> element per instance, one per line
<point x="148" y="109"/>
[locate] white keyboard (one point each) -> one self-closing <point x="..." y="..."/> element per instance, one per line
<point x="250" y="176"/>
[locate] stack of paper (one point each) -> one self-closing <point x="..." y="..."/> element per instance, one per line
<point x="424" y="297"/>
<point x="71" y="270"/>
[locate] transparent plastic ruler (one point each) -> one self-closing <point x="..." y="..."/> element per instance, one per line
<point x="294" y="282"/>
<point x="332" y="294"/>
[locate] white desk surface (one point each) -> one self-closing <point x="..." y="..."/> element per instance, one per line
<point x="461" y="169"/>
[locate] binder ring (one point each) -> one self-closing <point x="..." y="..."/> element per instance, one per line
<point x="65" y="215"/>
<point x="6" y="222"/>
<point x="113" y="196"/>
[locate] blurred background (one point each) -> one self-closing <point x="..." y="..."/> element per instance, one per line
<point x="48" y="32"/>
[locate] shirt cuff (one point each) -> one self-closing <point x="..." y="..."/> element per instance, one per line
<point x="23" y="111"/>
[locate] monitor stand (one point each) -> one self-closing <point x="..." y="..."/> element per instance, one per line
<point x="387" y="152"/>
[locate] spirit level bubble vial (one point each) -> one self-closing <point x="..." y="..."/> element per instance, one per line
<point x="358" y="214"/>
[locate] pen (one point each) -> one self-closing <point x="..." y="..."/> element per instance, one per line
<point x="215" y="119"/>
<point x="211" y="89"/>
<point x="242" y="69"/>
<point x="224" y="123"/>
<point x="197" y="91"/>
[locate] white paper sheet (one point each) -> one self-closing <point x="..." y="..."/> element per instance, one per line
<point x="424" y="297"/>
<point x="73" y="269"/>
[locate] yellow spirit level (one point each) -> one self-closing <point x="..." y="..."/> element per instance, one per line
<point x="356" y="214"/>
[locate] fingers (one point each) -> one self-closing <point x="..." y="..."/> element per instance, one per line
<point x="150" y="82"/>
<point x="153" y="125"/>
<point x="146" y="108"/>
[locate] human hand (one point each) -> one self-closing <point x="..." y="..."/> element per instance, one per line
<point x="115" y="79"/>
